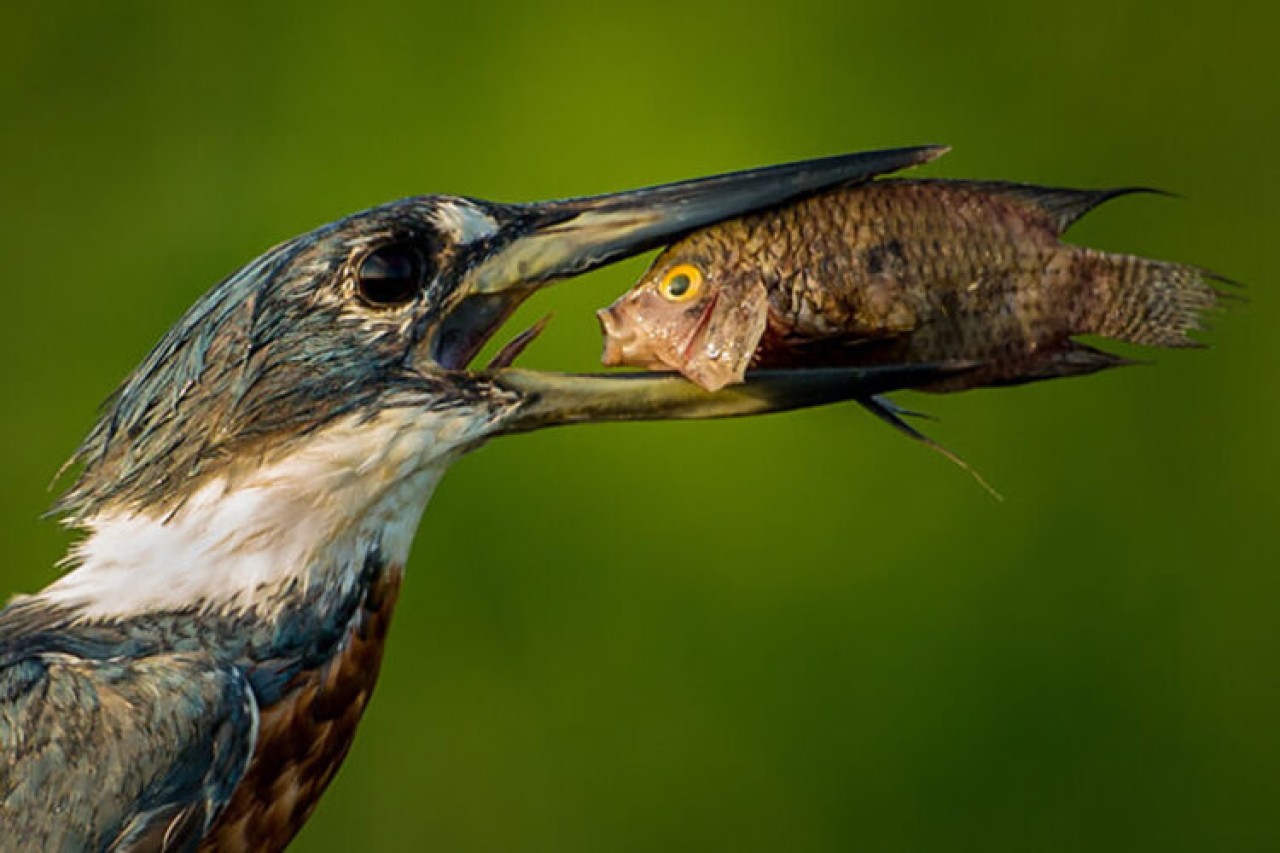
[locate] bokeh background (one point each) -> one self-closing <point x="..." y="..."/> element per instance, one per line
<point x="801" y="632"/>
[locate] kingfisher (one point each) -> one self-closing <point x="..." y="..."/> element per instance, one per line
<point x="247" y="499"/>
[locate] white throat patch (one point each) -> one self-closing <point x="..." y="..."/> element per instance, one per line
<point x="307" y="517"/>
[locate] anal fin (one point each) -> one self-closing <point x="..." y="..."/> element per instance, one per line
<point x="1069" y="358"/>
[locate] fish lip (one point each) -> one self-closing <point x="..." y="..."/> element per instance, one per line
<point x="616" y="346"/>
<point x="625" y="348"/>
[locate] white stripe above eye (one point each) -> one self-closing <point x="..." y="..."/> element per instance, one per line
<point x="462" y="220"/>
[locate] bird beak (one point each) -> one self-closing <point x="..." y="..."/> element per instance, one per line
<point x="546" y="242"/>
<point x="558" y="239"/>
<point x="557" y="399"/>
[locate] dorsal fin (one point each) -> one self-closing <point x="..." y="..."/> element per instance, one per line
<point x="1063" y="205"/>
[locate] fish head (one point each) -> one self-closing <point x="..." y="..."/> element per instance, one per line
<point x="685" y="315"/>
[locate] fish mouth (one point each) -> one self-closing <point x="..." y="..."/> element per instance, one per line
<point x="536" y="244"/>
<point x="623" y="346"/>
<point x="617" y="346"/>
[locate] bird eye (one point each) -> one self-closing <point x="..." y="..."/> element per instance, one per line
<point x="681" y="283"/>
<point x="390" y="276"/>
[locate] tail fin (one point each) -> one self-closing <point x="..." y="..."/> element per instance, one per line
<point x="1153" y="303"/>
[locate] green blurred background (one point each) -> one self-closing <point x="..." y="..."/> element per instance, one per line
<point x="795" y="633"/>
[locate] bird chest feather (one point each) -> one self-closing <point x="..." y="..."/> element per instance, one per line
<point x="304" y="737"/>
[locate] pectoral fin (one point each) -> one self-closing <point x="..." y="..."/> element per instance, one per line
<point x="720" y="351"/>
<point x="892" y="414"/>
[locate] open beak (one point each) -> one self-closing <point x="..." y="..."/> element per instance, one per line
<point x="545" y="242"/>
<point x="556" y="399"/>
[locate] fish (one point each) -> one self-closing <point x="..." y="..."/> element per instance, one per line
<point x="905" y="271"/>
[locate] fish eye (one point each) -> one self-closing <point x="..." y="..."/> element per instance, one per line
<point x="390" y="276"/>
<point x="681" y="283"/>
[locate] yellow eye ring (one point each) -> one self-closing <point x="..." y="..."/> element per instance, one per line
<point x="681" y="283"/>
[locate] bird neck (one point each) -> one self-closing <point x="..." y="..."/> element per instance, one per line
<point x="297" y="529"/>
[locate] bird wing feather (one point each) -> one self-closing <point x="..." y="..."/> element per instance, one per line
<point x="119" y="754"/>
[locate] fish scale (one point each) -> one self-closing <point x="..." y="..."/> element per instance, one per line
<point x="903" y="272"/>
<point x="914" y="271"/>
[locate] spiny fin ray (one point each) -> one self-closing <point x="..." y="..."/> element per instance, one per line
<point x="890" y="413"/>
<point x="1063" y="206"/>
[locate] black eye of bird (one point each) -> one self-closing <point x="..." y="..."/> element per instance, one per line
<point x="391" y="276"/>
